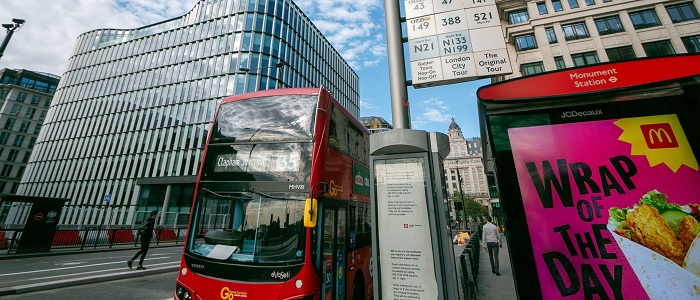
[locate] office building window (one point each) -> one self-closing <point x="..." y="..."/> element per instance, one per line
<point x="24" y="127"/>
<point x="35" y="100"/>
<point x="525" y="42"/>
<point x="12" y="156"/>
<point x="20" y="171"/>
<point x="3" y="94"/>
<point x="4" y="136"/>
<point x="575" y="31"/>
<point x="30" y="113"/>
<point x="19" y="139"/>
<point x="32" y="141"/>
<point x="609" y="25"/>
<point x="26" y="157"/>
<point x="586" y="58"/>
<point x="6" y="170"/>
<point x="682" y="12"/>
<point x="518" y="16"/>
<point x="10" y="123"/>
<point x="557" y="5"/>
<point x="559" y="61"/>
<point x="37" y="129"/>
<point x="604" y="1"/>
<point x="15" y="109"/>
<point x="532" y="68"/>
<point x="644" y="19"/>
<point x="620" y="53"/>
<point x="692" y="43"/>
<point x="551" y="36"/>
<point x="590" y="2"/>
<point x="21" y="96"/>
<point x="542" y="8"/>
<point x="658" y="48"/>
<point x="573" y="3"/>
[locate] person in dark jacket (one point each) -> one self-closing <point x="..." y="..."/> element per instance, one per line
<point x="145" y="241"/>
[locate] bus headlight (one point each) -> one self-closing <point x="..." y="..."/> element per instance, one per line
<point x="182" y="293"/>
<point x="298" y="283"/>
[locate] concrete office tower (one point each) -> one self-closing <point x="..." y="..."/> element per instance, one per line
<point x="546" y="35"/>
<point x="132" y="112"/>
<point x="25" y="97"/>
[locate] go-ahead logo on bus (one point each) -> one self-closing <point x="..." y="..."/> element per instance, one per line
<point x="334" y="189"/>
<point x="660" y="138"/>
<point x="228" y="294"/>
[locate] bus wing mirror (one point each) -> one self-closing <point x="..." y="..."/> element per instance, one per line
<point x="310" y="212"/>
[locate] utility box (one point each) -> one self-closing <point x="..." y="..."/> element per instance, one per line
<point x="412" y="247"/>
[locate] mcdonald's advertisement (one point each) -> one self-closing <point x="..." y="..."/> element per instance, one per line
<point x="612" y="207"/>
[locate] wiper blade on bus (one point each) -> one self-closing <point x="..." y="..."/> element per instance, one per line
<point x="254" y="191"/>
<point x="219" y="195"/>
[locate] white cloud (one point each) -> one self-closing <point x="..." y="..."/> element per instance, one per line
<point x="46" y="40"/>
<point x="354" y="27"/>
<point x="367" y="104"/>
<point x="432" y="110"/>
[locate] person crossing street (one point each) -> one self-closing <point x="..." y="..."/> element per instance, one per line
<point x="146" y="236"/>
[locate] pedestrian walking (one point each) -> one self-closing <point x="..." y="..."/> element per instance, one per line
<point x="146" y="233"/>
<point x="491" y="241"/>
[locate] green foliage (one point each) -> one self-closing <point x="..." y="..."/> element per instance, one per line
<point x="471" y="207"/>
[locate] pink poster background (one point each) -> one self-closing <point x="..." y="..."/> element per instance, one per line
<point x="592" y="143"/>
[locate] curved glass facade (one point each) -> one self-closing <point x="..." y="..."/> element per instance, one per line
<point x="132" y="112"/>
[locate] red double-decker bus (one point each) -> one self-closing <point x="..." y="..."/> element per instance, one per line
<point x="281" y="209"/>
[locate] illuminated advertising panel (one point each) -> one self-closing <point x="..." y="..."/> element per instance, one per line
<point x="611" y="207"/>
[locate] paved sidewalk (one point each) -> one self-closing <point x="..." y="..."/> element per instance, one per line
<point x="496" y="287"/>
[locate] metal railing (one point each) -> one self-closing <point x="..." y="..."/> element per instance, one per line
<point x="469" y="265"/>
<point x="90" y="238"/>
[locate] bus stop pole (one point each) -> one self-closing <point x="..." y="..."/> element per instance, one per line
<point x="400" y="111"/>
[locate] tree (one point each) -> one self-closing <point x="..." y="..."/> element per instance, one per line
<point x="471" y="207"/>
<point x="474" y="209"/>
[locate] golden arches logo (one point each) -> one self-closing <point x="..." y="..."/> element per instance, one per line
<point x="227" y="294"/>
<point x="660" y="139"/>
<point x="659" y="136"/>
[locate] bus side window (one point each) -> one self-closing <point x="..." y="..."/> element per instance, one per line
<point x="337" y="137"/>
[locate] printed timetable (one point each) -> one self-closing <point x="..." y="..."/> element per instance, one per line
<point x="452" y="41"/>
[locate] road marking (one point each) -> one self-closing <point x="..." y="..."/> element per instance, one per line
<point x="98" y="271"/>
<point x="74" y="267"/>
<point x="70" y="263"/>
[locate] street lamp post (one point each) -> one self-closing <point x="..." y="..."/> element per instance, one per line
<point x="279" y="66"/>
<point x="11" y="28"/>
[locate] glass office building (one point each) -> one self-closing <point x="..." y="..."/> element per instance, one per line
<point x="132" y="112"/>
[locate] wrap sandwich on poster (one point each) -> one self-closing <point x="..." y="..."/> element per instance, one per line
<point x="660" y="241"/>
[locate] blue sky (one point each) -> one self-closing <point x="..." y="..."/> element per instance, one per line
<point x="354" y="27"/>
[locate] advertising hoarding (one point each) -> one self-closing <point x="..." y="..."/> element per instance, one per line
<point x="611" y="207"/>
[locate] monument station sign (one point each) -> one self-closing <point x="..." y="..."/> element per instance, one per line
<point x="453" y="41"/>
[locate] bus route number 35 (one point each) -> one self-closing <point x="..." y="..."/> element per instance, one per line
<point x="286" y="162"/>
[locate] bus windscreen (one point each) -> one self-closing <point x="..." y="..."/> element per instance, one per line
<point x="273" y="118"/>
<point x="249" y="227"/>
